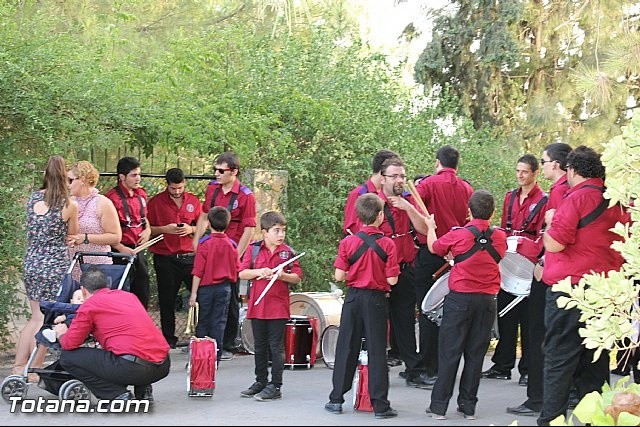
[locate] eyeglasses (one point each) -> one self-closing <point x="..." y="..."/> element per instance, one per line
<point x="543" y="161"/>
<point x="70" y="180"/>
<point x="220" y="170"/>
<point x="395" y="176"/>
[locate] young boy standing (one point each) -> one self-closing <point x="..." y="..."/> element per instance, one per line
<point x="271" y="313"/>
<point x="469" y="309"/>
<point x="215" y="270"/>
<point x="369" y="264"/>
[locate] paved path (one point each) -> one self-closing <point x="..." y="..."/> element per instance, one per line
<point x="304" y="395"/>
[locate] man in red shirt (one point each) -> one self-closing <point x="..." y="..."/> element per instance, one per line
<point x="578" y="241"/>
<point x="174" y="214"/>
<point x="132" y="350"/>
<point x="239" y="200"/>
<point x="130" y="201"/>
<point x="522" y="215"/>
<point x="446" y="196"/>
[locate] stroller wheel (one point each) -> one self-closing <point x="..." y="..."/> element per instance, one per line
<point x="14" y="386"/>
<point x="75" y="390"/>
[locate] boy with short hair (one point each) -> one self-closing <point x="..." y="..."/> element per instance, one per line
<point x="215" y="270"/>
<point x="270" y="315"/>
<point x="469" y="309"/>
<point x="369" y="263"/>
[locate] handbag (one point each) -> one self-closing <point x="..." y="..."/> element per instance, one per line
<point x="192" y="319"/>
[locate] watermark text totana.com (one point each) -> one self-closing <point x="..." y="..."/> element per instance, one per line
<point x="41" y="405"/>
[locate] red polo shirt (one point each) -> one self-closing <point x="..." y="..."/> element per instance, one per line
<point x="370" y="271"/>
<point x="130" y="235"/>
<point x="587" y="249"/>
<point x="119" y="323"/>
<point x="275" y="303"/>
<point x="243" y="211"/>
<point x="446" y="196"/>
<point x="351" y="220"/>
<point x="400" y="233"/>
<point x="216" y="260"/>
<point x="163" y="211"/>
<point x="480" y="272"/>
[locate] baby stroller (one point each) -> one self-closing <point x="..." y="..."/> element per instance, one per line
<point x="53" y="377"/>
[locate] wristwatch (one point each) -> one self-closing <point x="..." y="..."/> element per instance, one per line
<point x="86" y="239"/>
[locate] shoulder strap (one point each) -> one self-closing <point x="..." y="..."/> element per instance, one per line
<point x="510" y="207"/>
<point x="234" y="196"/>
<point x="533" y="213"/>
<point x="599" y="210"/>
<point x="482" y="242"/>
<point x="369" y="241"/>
<point x="389" y="217"/>
<point x="255" y="248"/>
<point x="127" y="212"/>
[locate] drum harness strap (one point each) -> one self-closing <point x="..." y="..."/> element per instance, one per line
<point x="599" y="210"/>
<point x="482" y="242"/>
<point x="369" y="241"/>
<point x="392" y="224"/>
<point x="127" y="214"/>
<point x="234" y="196"/>
<point x="532" y="213"/>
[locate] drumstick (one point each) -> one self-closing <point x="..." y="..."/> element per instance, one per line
<point x="275" y="276"/>
<point x="148" y="244"/>
<point x="416" y="196"/>
<point x="441" y="270"/>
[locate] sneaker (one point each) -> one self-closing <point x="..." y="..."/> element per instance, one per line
<point x="524" y="380"/>
<point x="143" y="392"/>
<point x="389" y="413"/>
<point x="393" y="361"/>
<point x="270" y="392"/>
<point x="255" y="388"/>
<point x="226" y="355"/>
<point x="434" y="415"/>
<point x="496" y="375"/>
<point x="466" y="416"/>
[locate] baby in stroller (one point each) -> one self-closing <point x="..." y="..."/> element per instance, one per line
<point x="76" y="299"/>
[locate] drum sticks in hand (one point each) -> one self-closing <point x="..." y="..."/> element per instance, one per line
<point x="414" y="193"/>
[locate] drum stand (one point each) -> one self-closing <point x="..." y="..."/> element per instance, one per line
<point x="511" y="305"/>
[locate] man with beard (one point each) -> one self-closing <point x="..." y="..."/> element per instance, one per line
<point x="173" y="213"/>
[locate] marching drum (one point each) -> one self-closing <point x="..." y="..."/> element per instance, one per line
<point x="325" y="306"/>
<point x="298" y="340"/>
<point x="433" y="301"/>
<point x="245" y="332"/>
<point x="516" y="271"/>
<point x="328" y="344"/>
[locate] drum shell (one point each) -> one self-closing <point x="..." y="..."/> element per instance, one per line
<point x="325" y="306"/>
<point x="298" y="340"/>
<point x="516" y="270"/>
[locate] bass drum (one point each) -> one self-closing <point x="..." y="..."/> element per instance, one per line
<point x="328" y="344"/>
<point x="325" y="306"/>
<point x="245" y="332"/>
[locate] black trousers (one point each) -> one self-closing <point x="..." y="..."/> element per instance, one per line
<point x="268" y="338"/>
<point x="425" y="265"/>
<point x="364" y="314"/>
<point x="138" y="276"/>
<point x="233" y="319"/>
<point x="566" y="360"/>
<point x="108" y="375"/>
<point x="517" y="318"/>
<point x="535" y="351"/>
<point x="403" y="321"/>
<point x="465" y="330"/>
<point x="171" y="273"/>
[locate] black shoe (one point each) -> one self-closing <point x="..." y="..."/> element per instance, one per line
<point x="334" y="408"/>
<point x="524" y="380"/>
<point x="522" y="410"/>
<point x="496" y="375"/>
<point x="124" y="396"/>
<point x="144" y="392"/>
<point x="573" y="399"/>
<point x="422" y="381"/>
<point x="389" y="413"/>
<point x="255" y="388"/>
<point x="270" y="392"/>
<point x="393" y="361"/>
<point x="620" y="372"/>
<point x="403" y="375"/>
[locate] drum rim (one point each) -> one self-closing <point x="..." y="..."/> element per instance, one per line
<point x="322" y="346"/>
<point x="434" y="306"/>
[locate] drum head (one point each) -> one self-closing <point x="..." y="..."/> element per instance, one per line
<point x="328" y="345"/>
<point x="516" y="274"/>
<point x="435" y="296"/>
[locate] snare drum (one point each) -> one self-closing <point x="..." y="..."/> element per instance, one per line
<point x="245" y="332"/>
<point x="328" y="344"/>
<point x="433" y="301"/>
<point x="325" y="306"/>
<point x="516" y="271"/>
<point x="298" y="340"/>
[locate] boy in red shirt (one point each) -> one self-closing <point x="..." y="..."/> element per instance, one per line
<point x="215" y="270"/>
<point x="368" y="262"/>
<point x="270" y="314"/>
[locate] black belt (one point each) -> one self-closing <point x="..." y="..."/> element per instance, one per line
<point x="139" y="361"/>
<point x="185" y="256"/>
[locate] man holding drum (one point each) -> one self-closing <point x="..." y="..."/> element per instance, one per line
<point x="522" y="215"/>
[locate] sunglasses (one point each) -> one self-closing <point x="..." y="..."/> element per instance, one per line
<point x="221" y="171"/>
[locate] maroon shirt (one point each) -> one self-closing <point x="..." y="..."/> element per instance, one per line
<point x="119" y="323"/>
<point x="520" y="212"/>
<point x="480" y="272"/>
<point x="275" y="303"/>
<point x="216" y="260"/>
<point x="557" y="192"/>
<point x="351" y="220"/>
<point x="446" y="196"/>
<point x="370" y="271"/>
<point x="130" y="234"/>
<point x="400" y="233"/>
<point x="163" y="211"/>
<point x="243" y="211"/>
<point x="587" y="249"/>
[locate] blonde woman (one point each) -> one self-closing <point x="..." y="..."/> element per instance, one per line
<point x="51" y="217"/>
<point x="97" y="216"/>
